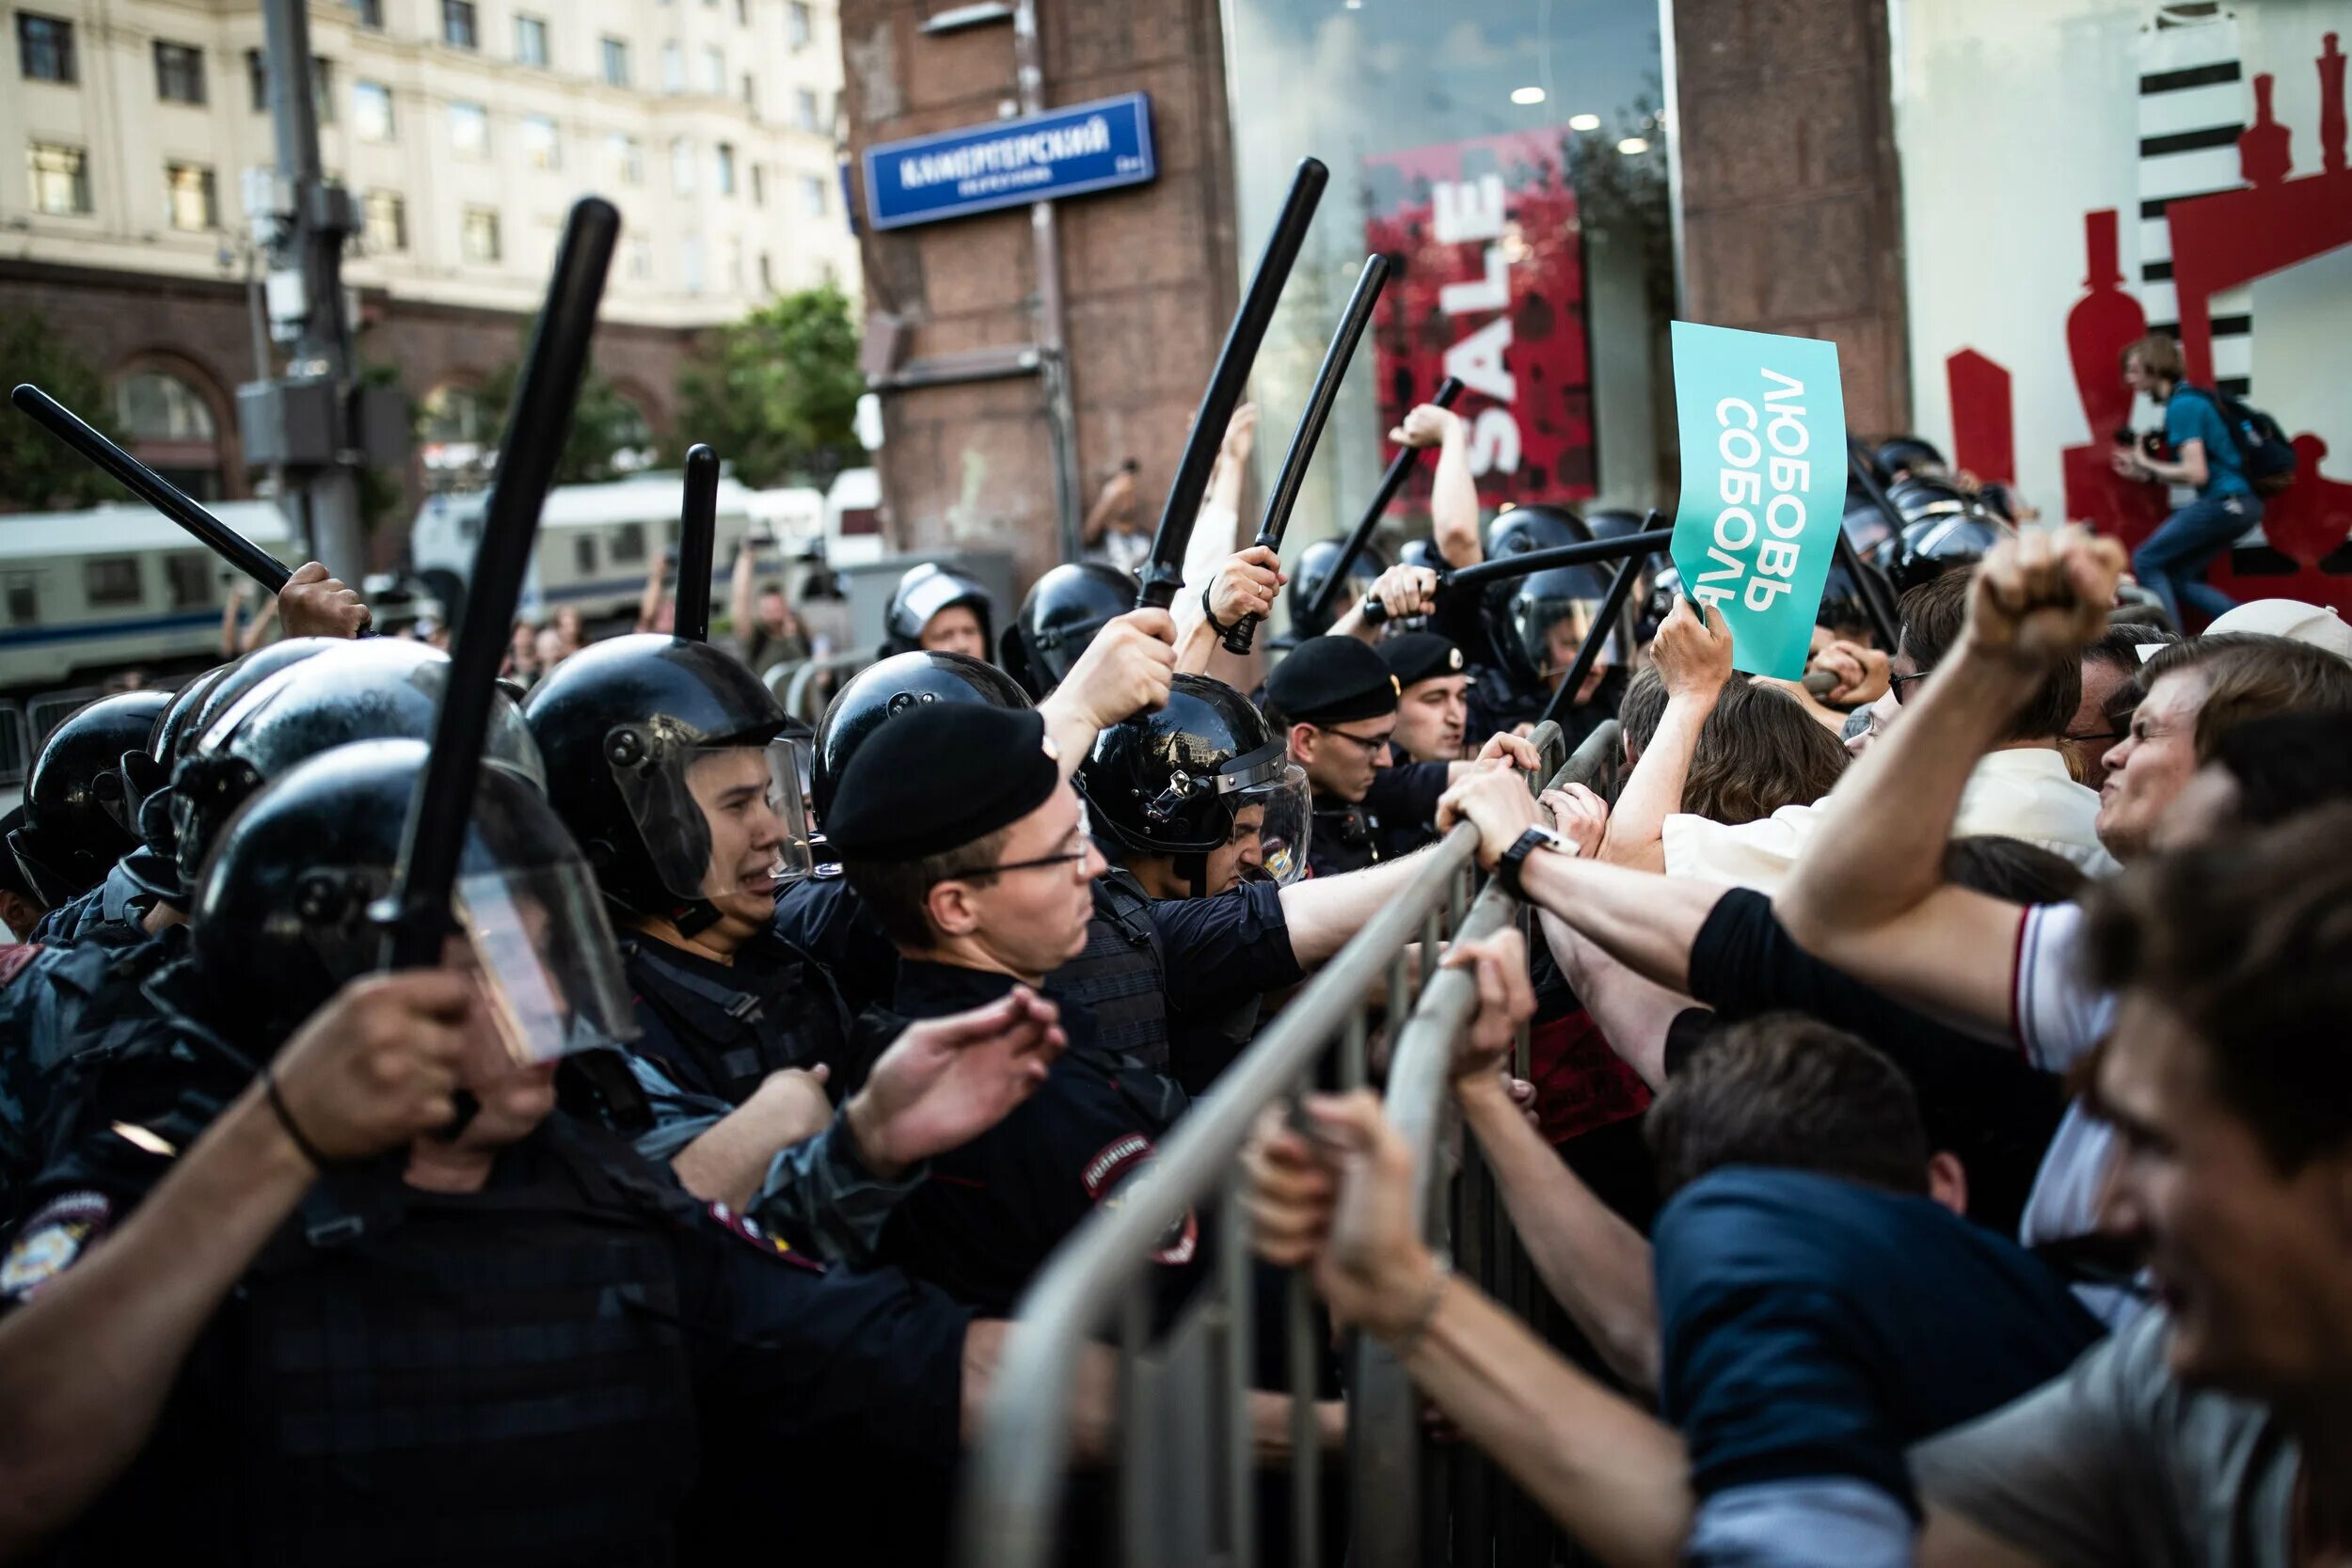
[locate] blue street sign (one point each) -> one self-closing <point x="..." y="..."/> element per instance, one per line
<point x="1011" y="163"/>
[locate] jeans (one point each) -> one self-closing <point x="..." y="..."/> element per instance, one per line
<point x="2171" y="564"/>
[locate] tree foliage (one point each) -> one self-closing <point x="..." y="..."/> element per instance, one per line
<point x="776" y="392"/>
<point x="39" y="472"/>
<point x="605" y="425"/>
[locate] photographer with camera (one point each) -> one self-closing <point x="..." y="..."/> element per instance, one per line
<point x="2172" y="561"/>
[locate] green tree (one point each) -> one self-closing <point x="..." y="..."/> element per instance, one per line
<point x="605" y="425"/>
<point x="776" y="392"/>
<point x="39" y="472"/>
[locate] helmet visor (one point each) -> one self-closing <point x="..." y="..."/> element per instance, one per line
<point x="1552" y="630"/>
<point x="1269" y="810"/>
<point x="721" y="820"/>
<point x="546" y="959"/>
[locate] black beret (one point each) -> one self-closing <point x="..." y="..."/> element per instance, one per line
<point x="1331" y="680"/>
<point x="1419" y="656"/>
<point x="940" y="776"/>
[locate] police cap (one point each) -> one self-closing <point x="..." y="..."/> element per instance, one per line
<point x="1419" y="655"/>
<point x="939" y="777"/>
<point x="1331" y="680"/>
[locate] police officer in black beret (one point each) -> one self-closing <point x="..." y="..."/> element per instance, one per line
<point x="958" y="829"/>
<point x="1335" y="700"/>
<point x="1432" y="703"/>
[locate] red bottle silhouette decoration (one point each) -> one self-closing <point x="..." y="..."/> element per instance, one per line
<point x="2263" y="158"/>
<point x="2330" y="106"/>
<point x="2100" y="327"/>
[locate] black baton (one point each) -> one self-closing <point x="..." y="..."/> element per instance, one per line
<point x="1393" y="481"/>
<point x="698" y="532"/>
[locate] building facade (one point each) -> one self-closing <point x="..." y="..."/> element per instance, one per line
<point x="1979" y="201"/>
<point x="465" y="129"/>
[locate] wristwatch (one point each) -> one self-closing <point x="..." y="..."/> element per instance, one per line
<point x="1539" y="837"/>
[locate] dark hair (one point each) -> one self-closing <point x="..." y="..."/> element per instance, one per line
<point x="2247" y="942"/>
<point x="2118" y="647"/>
<point x="1933" y="615"/>
<point x="899" y="892"/>
<point x="1788" y="1091"/>
<point x="1642" y="706"/>
<point x="2011" y="869"/>
<point x="2287" y="764"/>
<point x="2250" y="675"/>
<point x="1757" y="752"/>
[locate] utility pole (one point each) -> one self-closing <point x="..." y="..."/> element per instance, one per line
<point x="312" y="423"/>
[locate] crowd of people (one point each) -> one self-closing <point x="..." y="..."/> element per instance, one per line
<point x="1937" y="1146"/>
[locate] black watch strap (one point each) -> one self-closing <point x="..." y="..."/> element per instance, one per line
<point x="1514" y="858"/>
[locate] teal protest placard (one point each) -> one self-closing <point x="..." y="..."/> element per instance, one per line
<point x="1763" y="424"/>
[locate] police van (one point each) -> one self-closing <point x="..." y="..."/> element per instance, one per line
<point x="118" y="585"/>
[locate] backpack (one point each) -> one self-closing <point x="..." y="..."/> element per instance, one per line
<point x="2262" y="449"/>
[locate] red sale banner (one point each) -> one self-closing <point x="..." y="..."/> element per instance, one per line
<point x="1489" y="287"/>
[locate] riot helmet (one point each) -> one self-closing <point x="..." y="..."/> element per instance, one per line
<point x="1542" y="621"/>
<point x="1064" y="610"/>
<point x="671" y="763"/>
<point x="923" y="593"/>
<point x="1424" y="554"/>
<point x="1314" y="565"/>
<point x="891" y="685"/>
<point x="75" y="826"/>
<point x="1534" y="528"/>
<point x="381" y="688"/>
<point x="248" y="673"/>
<point x="1205" y="779"/>
<point x="285" y="911"/>
<point x="1944" y="538"/>
<point x="1908" y="456"/>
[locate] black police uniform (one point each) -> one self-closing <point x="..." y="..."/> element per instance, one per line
<point x="720" y="1029"/>
<point x="996" y="1208"/>
<point x="823" y="917"/>
<point x="538" y="1372"/>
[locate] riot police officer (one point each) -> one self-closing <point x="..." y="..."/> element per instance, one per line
<point x="641" y="1336"/>
<point x="1432" y="695"/>
<point x="938" y="610"/>
<point x="1314" y="565"/>
<point x="74" y="826"/>
<point x="1060" y="615"/>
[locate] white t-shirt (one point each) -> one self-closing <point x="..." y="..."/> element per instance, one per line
<point x="2024" y="793"/>
<point x="2057" y="1016"/>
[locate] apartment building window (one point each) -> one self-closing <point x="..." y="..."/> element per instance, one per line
<point x="388" y="223"/>
<point x="690" y="265"/>
<point x="371" y="111"/>
<point x="682" y="166"/>
<point x="531" y="41"/>
<point x="742" y="13"/>
<point x="543" y="143"/>
<point x="751" y="95"/>
<point x="616" y="62"/>
<point x="766" y="274"/>
<point x="813" y="194"/>
<point x="368" y="13"/>
<point x="479" y="238"/>
<point x="624" y="159"/>
<point x="457" y="24"/>
<point x="45" y="48"/>
<point x="60" y="180"/>
<point x="470" y="130"/>
<point x="178" y="73"/>
<point x="759" y="184"/>
<point x="322" y="84"/>
<point x="715" y="72"/>
<point x="797" y="25"/>
<point x="189" y="193"/>
<point x="673" y="66"/>
<point x="726" y="169"/>
<point x="734" y="254"/>
<point x="804" y="108"/>
<point x="640" y="259"/>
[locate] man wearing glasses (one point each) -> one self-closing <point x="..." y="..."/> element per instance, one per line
<point x="1335" y="701"/>
<point x="957" y="829"/>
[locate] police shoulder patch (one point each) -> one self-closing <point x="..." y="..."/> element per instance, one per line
<point x="51" y="1241"/>
<point x="16" y="958"/>
<point x="749" y="1230"/>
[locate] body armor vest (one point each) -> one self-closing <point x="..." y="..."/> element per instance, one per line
<point x="1120" y="977"/>
<point x="724" y="1040"/>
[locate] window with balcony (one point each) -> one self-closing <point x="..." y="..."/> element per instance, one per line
<point x="45" y="48"/>
<point x="60" y="178"/>
<point x="189" y="198"/>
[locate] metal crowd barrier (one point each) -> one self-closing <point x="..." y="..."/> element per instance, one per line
<point x="1186" y="1490"/>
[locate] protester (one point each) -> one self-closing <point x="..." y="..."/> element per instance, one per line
<point x="767" y="632"/>
<point x="2205" y="459"/>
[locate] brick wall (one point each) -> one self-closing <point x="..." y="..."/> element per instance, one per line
<point x="1147" y="272"/>
<point x="1792" y="214"/>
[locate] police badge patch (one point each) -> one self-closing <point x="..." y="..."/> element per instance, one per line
<point x="1133" y="1153"/>
<point x="51" y="1240"/>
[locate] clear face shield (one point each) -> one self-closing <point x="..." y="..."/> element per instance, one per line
<point x="1270" y="809"/>
<point x="1552" y="630"/>
<point x="539" y="945"/>
<point x="718" y="821"/>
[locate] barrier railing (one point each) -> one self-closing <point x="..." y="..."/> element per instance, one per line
<point x="1188" y="1478"/>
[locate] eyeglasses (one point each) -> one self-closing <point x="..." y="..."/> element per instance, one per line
<point x="1373" y="745"/>
<point x="1896" y="684"/>
<point x="1002" y="866"/>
